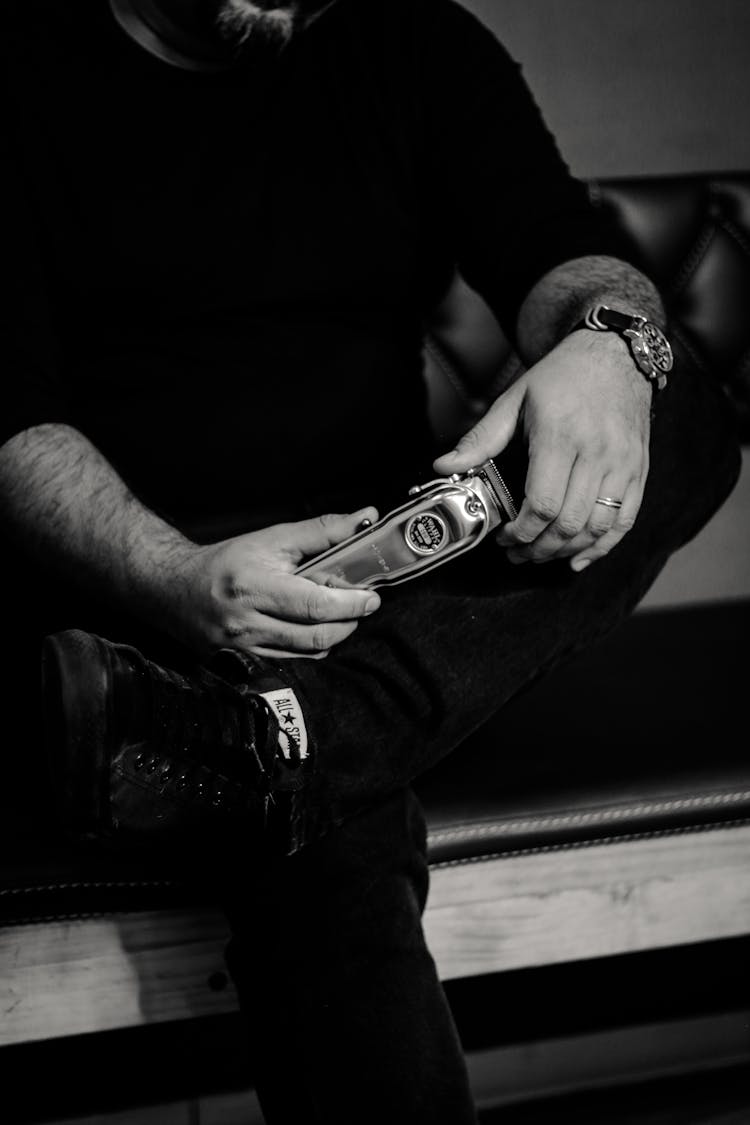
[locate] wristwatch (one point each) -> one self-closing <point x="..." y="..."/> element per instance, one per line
<point x="649" y="347"/>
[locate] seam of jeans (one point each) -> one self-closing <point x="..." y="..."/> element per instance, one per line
<point x="572" y="845"/>
<point x="599" y="816"/>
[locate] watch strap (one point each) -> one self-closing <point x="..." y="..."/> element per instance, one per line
<point x="601" y="318"/>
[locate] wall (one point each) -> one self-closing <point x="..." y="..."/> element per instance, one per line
<point x="647" y="86"/>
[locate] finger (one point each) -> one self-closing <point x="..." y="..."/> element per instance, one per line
<point x="487" y="438"/>
<point x="310" y="537"/>
<point x="289" y="636"/>
<point x="284" y="654"/>
<point x="570" y="524"/>
<point x="291" y="597"/>
<point x="624" y="520"/>
<point x="547" y="480"/>
<point x="601" y="517"/>
<point x="604" y="512"/>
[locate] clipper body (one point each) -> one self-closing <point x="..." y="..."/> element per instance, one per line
<point x="444" y="518"/>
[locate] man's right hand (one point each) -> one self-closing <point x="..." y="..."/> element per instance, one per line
<point x="243" y="593"/>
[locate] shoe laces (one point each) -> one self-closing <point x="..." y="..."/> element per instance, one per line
<point x="201" y="719"/>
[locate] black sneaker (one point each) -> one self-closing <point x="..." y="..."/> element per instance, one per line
<point x="141" y="754"/>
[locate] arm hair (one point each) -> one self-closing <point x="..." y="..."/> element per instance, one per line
<point x="67" y="508"/>
<point x="562" y="297"/>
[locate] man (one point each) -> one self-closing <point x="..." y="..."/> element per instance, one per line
<point x="229" y="222"/>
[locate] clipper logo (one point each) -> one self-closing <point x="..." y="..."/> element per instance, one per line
<point x="425" y="533"/>
<point x="292" y="729"/>
<point x="379" y="559"/>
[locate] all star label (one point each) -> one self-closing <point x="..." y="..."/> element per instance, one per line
<point x="292" y="729"/>
<point x="425" y="533"/>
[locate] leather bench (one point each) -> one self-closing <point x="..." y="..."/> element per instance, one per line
<point x="539" y="859"/>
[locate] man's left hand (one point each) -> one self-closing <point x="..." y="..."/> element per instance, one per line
<point x="585" y="412"/>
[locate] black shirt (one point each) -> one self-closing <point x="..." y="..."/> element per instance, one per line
<point x="221" y="278"/>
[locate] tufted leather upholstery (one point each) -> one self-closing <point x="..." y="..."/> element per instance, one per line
<point x="693" y="235"/>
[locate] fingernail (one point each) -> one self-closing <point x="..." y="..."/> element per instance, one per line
<point x="580" y="564"/>
<point x="371" y="605"/>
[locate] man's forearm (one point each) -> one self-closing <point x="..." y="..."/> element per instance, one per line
<point x="562" y="297"/>
<point x="67" y="507"/>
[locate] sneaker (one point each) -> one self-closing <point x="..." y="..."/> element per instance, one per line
<point x="140" y="753"/>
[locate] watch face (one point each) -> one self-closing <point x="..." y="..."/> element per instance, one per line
<point x="649" y="346"/>
<point x="654" y="349"/>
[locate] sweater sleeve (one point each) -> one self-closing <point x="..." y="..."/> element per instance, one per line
<point x="512" y="207"/>
<point x="32" y="391"/>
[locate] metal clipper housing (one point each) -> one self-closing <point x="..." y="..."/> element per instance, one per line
<point x="444" y="518"/>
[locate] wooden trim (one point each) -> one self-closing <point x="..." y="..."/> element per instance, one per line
<point x="74" y="976"/>
<point x="589" y="901"/>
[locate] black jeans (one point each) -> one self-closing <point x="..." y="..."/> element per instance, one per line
<point x="346" y="1016"/>
<point x="346" y="1013"/>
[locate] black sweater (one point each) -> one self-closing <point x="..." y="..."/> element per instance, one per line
<point x="221" y="278"/>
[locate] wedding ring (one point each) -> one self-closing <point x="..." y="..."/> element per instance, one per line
<point x="608" y="502"/>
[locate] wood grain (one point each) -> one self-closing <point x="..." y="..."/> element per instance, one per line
<point x="73" y="976"/>
<point x="97" y="974"/>
<point x="593" y="901"/>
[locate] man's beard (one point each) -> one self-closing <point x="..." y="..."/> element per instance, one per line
<point x="241" y="22"/>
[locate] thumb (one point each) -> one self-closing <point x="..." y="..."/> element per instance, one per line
<point x="488" y="437"/>
<point x="311" y="537"/>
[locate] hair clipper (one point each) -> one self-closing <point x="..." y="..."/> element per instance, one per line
<point x="443" y="519"/>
